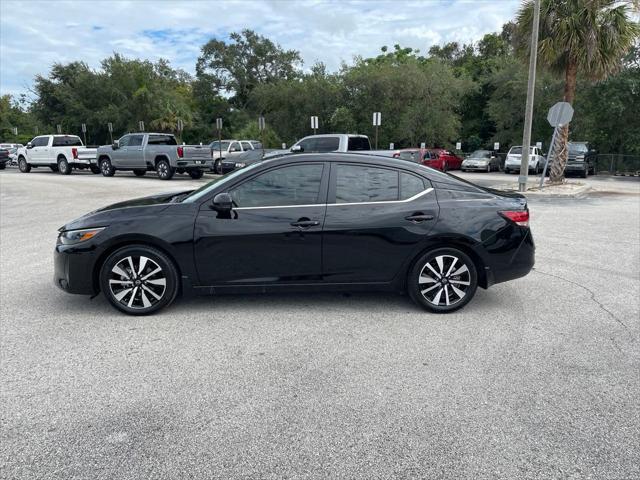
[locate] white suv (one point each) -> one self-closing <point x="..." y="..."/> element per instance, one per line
<point x="514" y="157"/>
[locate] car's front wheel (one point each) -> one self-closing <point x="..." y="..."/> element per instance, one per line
<point x="23" y="165"/>
<point x="106" y="168"/>
<point x="139" y="280"/>
<point x="443" y="280"/>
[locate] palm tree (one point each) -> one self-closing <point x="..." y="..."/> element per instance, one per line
<point x="579" y="37"/>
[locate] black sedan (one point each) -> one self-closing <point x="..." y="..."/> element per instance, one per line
<point x="307" y="221"/>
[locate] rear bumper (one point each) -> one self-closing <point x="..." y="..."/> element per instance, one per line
<point x="194" y="163"/>
<point x="73" y="270"/>
<point x="516" y="262"/>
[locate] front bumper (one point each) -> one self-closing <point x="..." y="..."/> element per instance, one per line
<point x="73" y="269"/>
<point x="474" y="166"/>
<point x="575" y="166"/>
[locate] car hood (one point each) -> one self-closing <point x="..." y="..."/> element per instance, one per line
<point x="151" y="205"/>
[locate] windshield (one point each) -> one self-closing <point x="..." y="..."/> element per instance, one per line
<point x="206" y="188"/>
<point x="578" y="148"/>
<point x="216" y="145"/>
<point x="412" y="156"/>
<point x="518" y="150"/>
<point x="481" y="154"/>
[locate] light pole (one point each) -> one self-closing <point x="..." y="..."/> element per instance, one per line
<point x="528" y="115"/>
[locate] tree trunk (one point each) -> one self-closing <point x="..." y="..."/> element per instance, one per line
<point x="561" y="151"/>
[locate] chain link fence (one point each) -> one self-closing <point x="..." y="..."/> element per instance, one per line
<point x="618" y="164"/>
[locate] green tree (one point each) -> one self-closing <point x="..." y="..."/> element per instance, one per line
<point x="579" y="37"/>
<point x="248" y="60"/>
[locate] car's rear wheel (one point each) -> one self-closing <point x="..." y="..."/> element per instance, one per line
<point x="106" y="168"/>
<point x="443" y="280"/>
<point x="139" y="173"/>
<point x="63" y="166"/>
<point x="585" y="172"/>
<point x="196" y="174"/>
<point x="164" y="170"/>
<point x="489" y="168"/>
<point x="95" y="169"/>
<point x="217" y="166"/>
<point x="23" y="165"/>
<point x="139" y="280"/>
<point x="54" y="168"/>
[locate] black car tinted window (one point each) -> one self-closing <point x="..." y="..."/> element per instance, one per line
<point x="161" y="140"/>
<point x="308" y="145"/>
<point x="326" y="144"/>
<point x="40" y="141"/>
<point x="135" y="140"/>
<point x="67" y="141"/>
<point x="356" y="183"/>
<point x="410" y="185"/>
<point x="293" y="185"/>
<point x="358" y="143"/>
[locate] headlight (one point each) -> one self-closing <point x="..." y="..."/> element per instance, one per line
<point x="71" y="237"/>
<point x="241" y="165"/>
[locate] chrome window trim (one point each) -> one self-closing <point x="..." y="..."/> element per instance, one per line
<point x="383" y="202"/>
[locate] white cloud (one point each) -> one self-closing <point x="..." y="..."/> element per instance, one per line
<point x="34" y="35"/>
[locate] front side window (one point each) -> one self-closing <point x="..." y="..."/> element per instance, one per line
<point x="136" y="140"/>
<point x="293" y="185"/>
<point x="40" y="141"/>
<point x="326" y="144"/>
<point x="355" y="184"/>
<point x="235" y="147"/>
<point x="124" y="141"/>
<point x="307" y="145"/>
<point x="67" y="141"/>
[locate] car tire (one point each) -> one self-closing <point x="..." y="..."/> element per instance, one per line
<point x="585" y="173"/>
<point x="63" y="166"/>
<point x="139" y="280"/>
<point x="164" y="170"/>
<point x="217" y="166"/>
<point x="23" y="165"/>
<point x="139" y="173"/>
<point x="443" y="280"/>
<point x="506" y="171"/>
<point x="196" y="174"/>
<point x="489" y="168"/>
<point x="95" y="169"/>
<point x="445" y="167"/>
<point x="106" y="168"/>
<point x="3" y="166"/>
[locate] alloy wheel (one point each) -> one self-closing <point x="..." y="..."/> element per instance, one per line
<point x="137" y="282"/>
<point x="444" y="280"/>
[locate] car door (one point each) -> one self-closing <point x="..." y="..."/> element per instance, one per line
<point x="234" y="151"/>
<point x="132" y="156"/>
<point x="377" y="218"/>
<point x="119" y="154"/>
<point x="274" y="234"/>
<point x="39" y="150"/>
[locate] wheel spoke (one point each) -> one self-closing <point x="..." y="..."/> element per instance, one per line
<point x="460" y="282"/>
<point x="120" y="282"/>
<point x="433" y="270"/>
<point x="158" y="297"/>
<point x="462" y="269"/>
<point x="440" y="262"/>
<point x="455" y="260"/>
<point x="158" y="281"/>
<point x="446" y="294"/>
<point x="118" y="271"/>
<point x="133" y="270"/>
<point x="143" y="263"/>
<point x="120" y="295"/>
<point x="457" y="291"/>
<point x="133" y="295"/>
<point x="426" y="279"/>
<point x="151" y="274"/>
<point x="436" y="299"/>
<point x="145" y="301"/>
<point x="427" y="290"/>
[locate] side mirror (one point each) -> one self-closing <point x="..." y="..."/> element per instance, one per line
<point x="115" y="145"/>
<point x="297" y="148"/>
<point x="222" y="203"/>
<point x="29" y="145"/>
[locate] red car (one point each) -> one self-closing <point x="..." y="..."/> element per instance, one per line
<point x="437" y="158"/>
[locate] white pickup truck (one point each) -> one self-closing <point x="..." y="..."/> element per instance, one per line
<point x="333" y="142"/>
<point x="61" y="153"/>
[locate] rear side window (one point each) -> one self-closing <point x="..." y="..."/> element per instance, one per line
<point x="358" y="143"/>
<point x="135" y="140"/>
<point x="410" y="185"/>
<point x="246" y="146"/>
<point x="326" y="144"/>
<point x="293" y="185"/>
<point x="161" y="140"/>
<point x="67" y="141"/>
<point x="355" y="184"/>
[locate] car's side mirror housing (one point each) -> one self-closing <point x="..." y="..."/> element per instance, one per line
<point x="115" y="145"/>
<point x="222" y="203"/>
<point x="297" y="148"/>
<point x="29" y="145"/>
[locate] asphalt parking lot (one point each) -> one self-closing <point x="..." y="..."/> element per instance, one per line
<point x="536" y="378"/>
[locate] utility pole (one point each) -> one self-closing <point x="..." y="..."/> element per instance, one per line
<point x="377" y="121"/>
<point x="528" y="115"/>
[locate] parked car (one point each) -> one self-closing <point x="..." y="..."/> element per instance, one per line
<point x="13" y="151"/>
<point x="437" y="158"/>
<point x="61" y="153"/>
<point x="481" y="160"/>
<point x="4" y="158"/>
<point x="241" y="161"/>
<point x="514" y="157"/>
<point x="159" y="152"/>
<point x="333" y="142"/>
<point x="231" y="149"/>
<point x="306" y="221"/>
<point x="581" y="159"/>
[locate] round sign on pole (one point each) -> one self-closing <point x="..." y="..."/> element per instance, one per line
<point x="560" y="114"/>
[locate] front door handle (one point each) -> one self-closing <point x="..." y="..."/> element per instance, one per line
<point x="305" y="223"/>
<point x="418" y="217"/>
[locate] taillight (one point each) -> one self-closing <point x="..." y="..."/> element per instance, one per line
<point x="74" y="152"/>
<point x="180" y="152"/>
<point x="396" y="155"/>
<point x="519" y="217"/>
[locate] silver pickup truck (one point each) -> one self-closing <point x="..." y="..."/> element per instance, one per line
<point x="159" y="152"/>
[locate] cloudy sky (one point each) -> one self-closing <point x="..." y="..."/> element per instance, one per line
<point x="34" y="35"/>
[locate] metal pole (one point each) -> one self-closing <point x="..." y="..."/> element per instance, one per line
<point x="220" y="143"/>
<point x="376" y="137"/>
<point x="550" y="156"/>
<point x="526" y="138"/>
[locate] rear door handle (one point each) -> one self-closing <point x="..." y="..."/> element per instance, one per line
<point x="305" y="223"/>
<point x="418" y="217"/>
